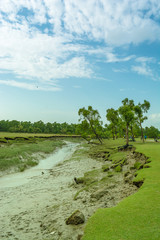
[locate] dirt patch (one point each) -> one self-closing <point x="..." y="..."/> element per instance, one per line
<point x="39" y="209"/>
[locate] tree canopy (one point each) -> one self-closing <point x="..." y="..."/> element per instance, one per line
<point x="91" y="122"/>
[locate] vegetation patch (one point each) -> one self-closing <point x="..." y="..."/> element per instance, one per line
<point x="105" y="168"/>
<point x="20" y="154"/>
<point x="142" y="206"/>
<point x="118" y="157"/>
<point x="138" y="165"/>
<point x="118" y="169"/>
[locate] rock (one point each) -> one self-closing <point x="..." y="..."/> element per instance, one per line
<point x="76" y="218"/>
<point x="99" y="194"/>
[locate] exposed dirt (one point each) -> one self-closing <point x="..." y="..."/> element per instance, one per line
<point x="38" y="209"/>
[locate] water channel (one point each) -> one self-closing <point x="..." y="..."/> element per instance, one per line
<point x="17" y="179"/>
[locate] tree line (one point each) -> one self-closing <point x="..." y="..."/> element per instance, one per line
<point x="37" y="127"/>
<point x="126" y="121"/>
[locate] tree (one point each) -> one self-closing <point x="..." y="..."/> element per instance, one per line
<point x="140" y="109"/>
<point x="152" y="132"/>
<point x="127" y="114"/>
<point x="84" y="130"/>
<point x="90" y="119"/>
<point x="112" y="117"/>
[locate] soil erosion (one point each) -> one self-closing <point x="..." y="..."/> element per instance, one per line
<point x="38" y="209"/>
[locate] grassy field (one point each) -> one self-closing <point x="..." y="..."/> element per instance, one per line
<point x="138" y="216"/>
<point x="17" y="149"/>
<point x="26" y="135"/>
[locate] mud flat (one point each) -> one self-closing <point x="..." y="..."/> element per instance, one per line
<point x="38" y="209"/>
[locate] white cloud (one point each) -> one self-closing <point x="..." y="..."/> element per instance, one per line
<point x="155" y="117"/>
<point x="111" y="57"/>
<point x="115" y="22"/>
<point x="122" y="70"/>
<point x="59" y="50"/>
<point x="143" y="69"/>
<point x="28" y="86"/>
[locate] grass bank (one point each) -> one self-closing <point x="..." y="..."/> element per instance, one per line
<point x="138" y="216"/>
<point x="18" y="151"/>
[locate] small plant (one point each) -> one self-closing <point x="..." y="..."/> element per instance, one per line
<point x="105" y="168"/>
<point x="118" y="168"/>
<point x="138" y="165"/>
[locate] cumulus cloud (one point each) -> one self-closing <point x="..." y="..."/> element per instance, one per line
<point x="48" y="40"/>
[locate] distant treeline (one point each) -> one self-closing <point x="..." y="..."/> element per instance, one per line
<point x="65" y="128"/>
<point x="37" y="127"/>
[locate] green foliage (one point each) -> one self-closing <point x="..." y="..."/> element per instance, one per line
<point x="90" y="123"/>
<point x="37" y="127"/>
<point x="152" y="132"/>
<point x="138" y="165"/>
<point x="140" y="109"/>
<point x="118" y="169"/>
<point x="113" y="118"/>
<point x="127" y="114"/>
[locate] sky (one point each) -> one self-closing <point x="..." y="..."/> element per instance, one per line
<point x="57" y="56"/>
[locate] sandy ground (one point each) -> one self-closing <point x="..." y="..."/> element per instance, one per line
<point x="37" y="209"/>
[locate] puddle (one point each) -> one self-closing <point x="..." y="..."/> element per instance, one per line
<point x="17" y="179"/>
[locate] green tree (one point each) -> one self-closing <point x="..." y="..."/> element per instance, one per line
<point x="140" y="109"/>
<point x="84" y="130"/>
<point x="90" y="119"/>
<point x="152" y="132"/>
<point x="127" y="114"/>
<point x="113" y="118"/>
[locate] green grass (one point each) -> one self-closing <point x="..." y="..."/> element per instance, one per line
<point x="138" y="216"/>
<point x="18" y="154"/>
<point x="36" y="135"/>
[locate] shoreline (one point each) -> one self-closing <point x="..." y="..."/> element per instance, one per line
<point x="38" y="210"/>
<point x="26" y="208"/>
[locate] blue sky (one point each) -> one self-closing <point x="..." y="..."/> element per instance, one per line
<point x="57" y="56"/>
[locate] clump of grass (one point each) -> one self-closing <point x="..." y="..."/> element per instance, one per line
<point x="105" y="168"/>
<point x="138" y="165"/>
<point x="118" y="169"/>
<point x="119" y="157"/>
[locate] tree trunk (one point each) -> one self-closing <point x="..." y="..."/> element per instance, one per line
<point x="142" y="132"/>
<point x="127" y="138"/>
<point x="113" y="133"/>
<point x="96" y="133"/>
<point x="132" y="133"/>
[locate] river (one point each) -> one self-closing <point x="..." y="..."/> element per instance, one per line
<point x="17" y="179"/>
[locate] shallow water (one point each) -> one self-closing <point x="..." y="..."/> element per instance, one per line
<point x="17" y="179"/>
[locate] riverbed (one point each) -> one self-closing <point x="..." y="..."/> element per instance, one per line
<point x="35" y="205"/>
<point x="20" y="178"/>
<point x="37" y="208"/>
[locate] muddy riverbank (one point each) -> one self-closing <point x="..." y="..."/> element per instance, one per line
<point x="38" y="209"/>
